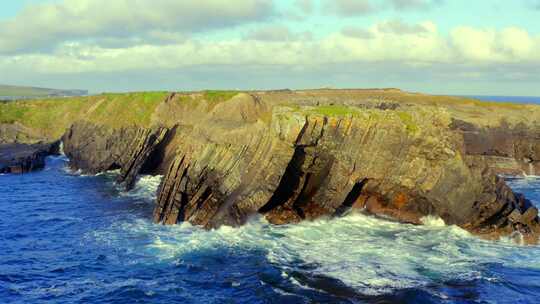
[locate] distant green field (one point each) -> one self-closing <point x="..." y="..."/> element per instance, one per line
<point x="20" y="91"/>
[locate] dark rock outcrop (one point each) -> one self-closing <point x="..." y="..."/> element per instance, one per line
<point x="92" y="149"/>
<point x="513" y="150"/>
<point x="23" y="158"/>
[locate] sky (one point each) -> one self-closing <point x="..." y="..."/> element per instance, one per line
<point x="459" y="47"/>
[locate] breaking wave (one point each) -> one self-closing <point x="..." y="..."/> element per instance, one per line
<point x="372" y="256"/>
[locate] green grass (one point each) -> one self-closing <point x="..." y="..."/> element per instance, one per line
<point x="119" y="110"/>
<point x="10" y="114"/>
<point x="216" y="96"/>
<point x="48" y="117"/>
<point x="408" y="120"/>
<point x="335" y="110"/>
<point x="51" y="117"/>
<point x="210" y="97"/>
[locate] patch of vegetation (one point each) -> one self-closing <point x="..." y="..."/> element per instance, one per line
<point x="335" y="110"/>
<point x="10" y="114"/>
<point x="51" y="117"/>
<point x="119" y="110"/>
<point x="48" y="117"/>
<point x="216" y="96"/>
<point x="408" y="120"/>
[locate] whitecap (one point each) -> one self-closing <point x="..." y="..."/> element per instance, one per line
<point x="433" y="221"/>
<point x="371" y="255"/>
<point x="146" y="187"/>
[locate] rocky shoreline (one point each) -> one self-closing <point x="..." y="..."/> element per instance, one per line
<point x="297" y="155"/>
<point x="18" y="158"/>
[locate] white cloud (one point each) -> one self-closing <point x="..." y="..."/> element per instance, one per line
<point x="306" y="6"/>
<point x="276" y="33"/>
<point x="44" y="25"/>
<point x="414" y="4"/>
<point x="475" y="44"/>
<point x="352" y="8"/>
<point x="401" y="28"/>
<point x="136" y="37"/>
<point x="490" y="46"/>
<point x="421" y="44"/>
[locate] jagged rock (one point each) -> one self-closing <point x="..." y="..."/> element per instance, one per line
<point x="509" y="149"/>
<point x="24" y="158"/>
<point x="232" y="171"/>
<point x="93" y="149"/>
<point x="530" y="215"/>
<point x="279" y="155"/>
<point x="515" y="216"/>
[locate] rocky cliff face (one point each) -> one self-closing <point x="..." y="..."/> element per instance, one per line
<point x="93" y="149"/>
<point x="510" y="149"/>
<point x="23" y="158"/>
<point x="301" y="157"/>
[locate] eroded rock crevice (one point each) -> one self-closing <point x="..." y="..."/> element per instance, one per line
<point x="354" y="199"/>
<point x="93" y="149"/>
<point x="280" y="208"/>
<point x="181" y="199"/>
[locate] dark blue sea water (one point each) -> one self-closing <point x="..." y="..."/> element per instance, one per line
<point x="67" y="238"/>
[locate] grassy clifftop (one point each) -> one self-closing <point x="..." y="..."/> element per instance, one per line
<point x="52" y="116"/>
<point x="49" y="118"/>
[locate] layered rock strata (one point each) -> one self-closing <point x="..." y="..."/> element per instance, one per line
<point x="92" y="149"/>
<point x="293" y="156"/>
<point x="513" y="150"/>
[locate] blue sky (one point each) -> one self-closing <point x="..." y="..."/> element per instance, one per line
<point x="435" y="46"/>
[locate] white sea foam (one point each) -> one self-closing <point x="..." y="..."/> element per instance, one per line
<point x="531" y="170"/>
<point x="61" y="148"/>
<point x="145" y="188"/>
<point x="371" y="255"/>
<point x="433" y="221"/>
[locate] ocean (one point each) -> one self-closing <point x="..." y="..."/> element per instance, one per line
<point x="72" y="238"/>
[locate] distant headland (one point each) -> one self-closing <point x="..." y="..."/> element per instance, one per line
<point x="10" y="92"/>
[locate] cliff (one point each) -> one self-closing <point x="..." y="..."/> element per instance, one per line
<point x="300" y="155"/>
<point x="22" y="158"/>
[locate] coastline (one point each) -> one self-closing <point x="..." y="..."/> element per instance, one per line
<point x="300" y="155"/>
